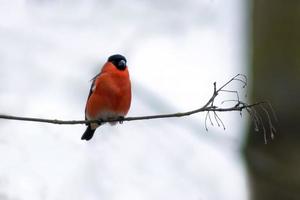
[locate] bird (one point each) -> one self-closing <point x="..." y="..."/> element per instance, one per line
<point x="110" y="94"/>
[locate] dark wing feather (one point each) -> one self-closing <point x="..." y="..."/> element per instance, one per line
<point x="91" y="91"/>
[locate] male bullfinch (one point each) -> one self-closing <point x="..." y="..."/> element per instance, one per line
<point x="110" y="94"/>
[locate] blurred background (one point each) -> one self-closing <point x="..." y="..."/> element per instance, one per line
<point x="175" y="50"/>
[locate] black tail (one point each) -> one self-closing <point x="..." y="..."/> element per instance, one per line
<point x="88" y="134"/>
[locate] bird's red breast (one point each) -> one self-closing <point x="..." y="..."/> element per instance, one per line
<point x="110" y="94"/>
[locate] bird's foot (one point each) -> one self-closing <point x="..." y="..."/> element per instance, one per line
<point x="121" y="119"/>
<point x="99" y="122"/>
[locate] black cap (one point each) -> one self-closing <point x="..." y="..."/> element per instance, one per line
<point x="118" y="60"/>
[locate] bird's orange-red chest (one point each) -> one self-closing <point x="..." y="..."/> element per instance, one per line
<point x="111" y="94"/>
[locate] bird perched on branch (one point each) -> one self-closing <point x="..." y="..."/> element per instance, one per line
<point x="110" y="94"/>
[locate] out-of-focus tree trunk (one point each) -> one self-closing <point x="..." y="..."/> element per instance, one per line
<point x="274" y="169"/>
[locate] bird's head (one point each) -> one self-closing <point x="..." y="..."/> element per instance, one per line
<point x="119" y="61"/>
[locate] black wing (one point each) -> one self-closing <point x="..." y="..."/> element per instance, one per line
<point x="91" y="91"/>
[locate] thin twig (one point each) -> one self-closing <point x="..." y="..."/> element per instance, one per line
<point x="219" y="119"/>
<point x="179" y="114"/>
<point x="208" y="107"/>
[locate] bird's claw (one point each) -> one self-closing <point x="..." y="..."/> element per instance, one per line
<point x="121" y="119"/>
<point x="99" y="122"/>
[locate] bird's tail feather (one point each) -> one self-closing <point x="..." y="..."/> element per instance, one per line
<point x="88" y="134"/>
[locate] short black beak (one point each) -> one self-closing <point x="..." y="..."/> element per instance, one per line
<point x="122" y="65"/>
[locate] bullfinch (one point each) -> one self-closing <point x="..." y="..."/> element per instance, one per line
<point x="110" y="94"/>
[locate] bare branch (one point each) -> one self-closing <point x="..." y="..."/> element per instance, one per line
<point x="217" y="118"/>
<point x="271" y="126"/>
<point x="205" y="121"/>
<point x="179" y="114"/>
<point x="231" y="91"/>
<point x="256" y="118"/>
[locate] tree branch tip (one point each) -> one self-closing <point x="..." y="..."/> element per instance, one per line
<point x="256" y="118"/>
